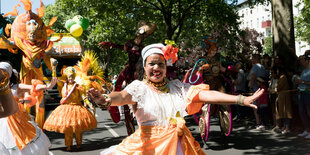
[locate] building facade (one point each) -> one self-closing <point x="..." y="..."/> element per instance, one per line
<point x="259" y="17"/>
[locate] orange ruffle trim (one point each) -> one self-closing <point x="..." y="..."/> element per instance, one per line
<point x="70" y="118"/>
<point x="159" y="140"/>
<point x="192" y="97"/>
<point x="22" y="130"/>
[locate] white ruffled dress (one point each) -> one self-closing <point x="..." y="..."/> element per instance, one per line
<point x="39" y="145"/>
<point x="156" y="109"/>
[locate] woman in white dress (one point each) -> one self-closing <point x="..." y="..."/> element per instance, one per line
<point x="159" y="106"/>
<point x="19" y="134"/>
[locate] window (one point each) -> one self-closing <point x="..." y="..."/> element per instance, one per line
<point x="257" y="9"/>
<point x="257" y="22"/>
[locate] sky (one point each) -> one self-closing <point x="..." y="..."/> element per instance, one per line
<point x="8" y="5"/>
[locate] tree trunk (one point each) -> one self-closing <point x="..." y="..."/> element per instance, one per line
<point x="283" y="32"/>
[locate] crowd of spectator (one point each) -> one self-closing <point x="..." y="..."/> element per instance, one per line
<point x="286" y="101"/>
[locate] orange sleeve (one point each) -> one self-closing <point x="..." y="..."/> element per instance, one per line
<point x="34" y="83"/>
<point x="193" y="93"/>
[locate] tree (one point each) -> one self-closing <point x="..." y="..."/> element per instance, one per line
<point x="115" y="21"/>
<point x="249" y="41"/>
<point x="302" y="22"/>
<point x="283" y="30"/>
<point x="283" y="33"/>
<point x="268" y="47"/>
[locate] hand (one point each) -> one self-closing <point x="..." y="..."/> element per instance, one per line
<point x="248" y="101"/>
<point x="52" y="83"/>
<point x="42" y="87"/>
<point x="97" y="97"/>
<point x="54" y="62"/>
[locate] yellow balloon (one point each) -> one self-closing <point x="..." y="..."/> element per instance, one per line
<point x="76" y="30"/>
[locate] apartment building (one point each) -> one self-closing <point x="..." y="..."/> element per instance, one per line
<point x="259" y="17"/>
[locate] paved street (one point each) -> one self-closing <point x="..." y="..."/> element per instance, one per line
<point x="242" y="141"/>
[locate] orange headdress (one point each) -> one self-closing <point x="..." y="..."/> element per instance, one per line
<point x="208" y="43"/>
<point x="19" y="24"/>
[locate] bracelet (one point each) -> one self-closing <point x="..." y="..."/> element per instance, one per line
<point x="5" y="92"/>
<point x="106" y="96"/>
<point x="240" y="100"/>
<point x="6" y="88"/>
<point x="5" y="80"/>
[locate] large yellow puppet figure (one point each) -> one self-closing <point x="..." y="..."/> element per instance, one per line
<point x="29" y="34"/>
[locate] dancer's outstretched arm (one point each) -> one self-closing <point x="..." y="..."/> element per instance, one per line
<point x="217" y="97"/>
<point x="114" y="98"/>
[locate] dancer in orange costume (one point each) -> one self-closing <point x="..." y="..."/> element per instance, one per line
<point x="19" y="134"/>
<point x="29" y="34"/>
<point x="89" y="75"/>
<point x="159" y="106"/>
<point x="71" y="117"/>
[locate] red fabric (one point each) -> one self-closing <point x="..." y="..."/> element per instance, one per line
<point x="264" y="98"/>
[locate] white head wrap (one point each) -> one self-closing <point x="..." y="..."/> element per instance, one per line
<point x="15" y="72"/>
<point x="152" y="49"/>
<point x="6" y="66"/>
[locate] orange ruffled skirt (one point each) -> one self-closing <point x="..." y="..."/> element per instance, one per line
<point x="70" y="118"/>
<point x="148" y="140"/>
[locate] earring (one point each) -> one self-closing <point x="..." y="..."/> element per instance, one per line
<point x="145" y="77"/>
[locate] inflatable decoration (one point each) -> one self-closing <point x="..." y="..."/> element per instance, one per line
<point x="77" y="25"/>
<point x="69" y="23"/>
<point x="76" y="30"/>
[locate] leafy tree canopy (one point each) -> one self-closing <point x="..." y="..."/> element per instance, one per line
<point x="302" y="22"/>
<point x="183" y="21"/>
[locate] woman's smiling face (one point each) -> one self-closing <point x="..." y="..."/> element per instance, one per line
<point x="155" y="67"/>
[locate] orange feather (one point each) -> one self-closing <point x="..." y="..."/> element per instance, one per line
<point x="14" y="12"/>
<point x="49" y="31"/>
<point x="27" y="4"/>
<point x="86" y="65"/>
<point x="52" y="21"/>
<point x="41" y="9"/>
<point x="8" y="28"/>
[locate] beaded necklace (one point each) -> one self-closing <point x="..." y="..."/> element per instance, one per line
<point x="159" y="86"/>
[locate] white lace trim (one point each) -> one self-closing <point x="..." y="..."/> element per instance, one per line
<point x="155" y="108"/>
